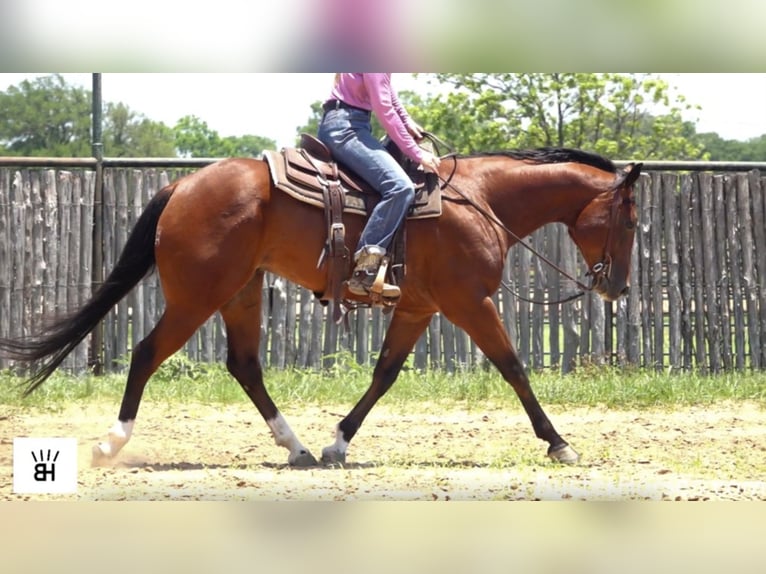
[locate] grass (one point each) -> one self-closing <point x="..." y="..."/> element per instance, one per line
<point x="180" y="380"/>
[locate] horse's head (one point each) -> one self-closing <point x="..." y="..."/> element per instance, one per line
<point x="604" y="233"/>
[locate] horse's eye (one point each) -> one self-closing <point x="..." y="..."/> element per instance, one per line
<point x="630" y="224"/>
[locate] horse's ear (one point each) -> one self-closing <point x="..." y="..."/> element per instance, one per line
<point x="633" y="171"/>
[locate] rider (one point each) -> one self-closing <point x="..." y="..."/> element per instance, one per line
<point x="346" y="130"/>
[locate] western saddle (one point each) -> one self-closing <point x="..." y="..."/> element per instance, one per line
<point x="309" y="174"/>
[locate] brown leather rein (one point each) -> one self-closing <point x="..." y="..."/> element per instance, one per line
<point x="602" y="269"/>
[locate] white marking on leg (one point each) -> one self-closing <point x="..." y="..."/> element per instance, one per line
<point x="338" y="448"/>
<point x="284" y="436"/>
<point x="119" y="435"/>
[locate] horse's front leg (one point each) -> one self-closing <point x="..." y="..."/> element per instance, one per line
<point x="402" y="334"/>
<point x="483" y="324"/>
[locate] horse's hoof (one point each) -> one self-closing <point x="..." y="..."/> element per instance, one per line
<point x="99" y="457"/>
<point x="331" y="456"/>
<point x="304" y="459"/>
<point x="564" y="454"/>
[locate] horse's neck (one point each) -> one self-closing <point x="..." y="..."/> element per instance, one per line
<point x="527" y="197"/>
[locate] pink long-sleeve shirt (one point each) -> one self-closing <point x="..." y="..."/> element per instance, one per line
<point x="374" y="92"/>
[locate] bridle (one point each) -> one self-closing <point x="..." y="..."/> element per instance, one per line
<point x="603" y="269"/>
<point x="597" y="273"/>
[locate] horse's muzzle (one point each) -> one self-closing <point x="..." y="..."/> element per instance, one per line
<point x="606" y="292"/>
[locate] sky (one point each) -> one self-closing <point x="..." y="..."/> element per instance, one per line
<point x="274" y="105"/>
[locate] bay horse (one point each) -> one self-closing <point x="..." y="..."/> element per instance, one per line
<point x="212" y="234"/>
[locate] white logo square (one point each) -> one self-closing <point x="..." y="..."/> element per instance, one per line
<point x="44" y="465"/>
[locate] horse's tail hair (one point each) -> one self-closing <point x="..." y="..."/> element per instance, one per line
<point x="47" y="349"/>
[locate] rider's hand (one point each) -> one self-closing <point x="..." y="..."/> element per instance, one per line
<point x="415" y="130"/>
<point x="430" y="163"/>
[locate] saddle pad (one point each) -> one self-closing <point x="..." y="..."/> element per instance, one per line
<point x="295" y="175"/>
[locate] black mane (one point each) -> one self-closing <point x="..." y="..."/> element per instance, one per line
<point x="555" y="155"/>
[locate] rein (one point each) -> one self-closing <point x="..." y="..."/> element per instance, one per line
<point x="602" y="268"/>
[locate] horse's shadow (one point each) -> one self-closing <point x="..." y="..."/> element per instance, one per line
<point x="175" y="465"/>
<point x="365" y="465"/>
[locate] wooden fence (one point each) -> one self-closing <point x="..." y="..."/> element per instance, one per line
<point x="698" y="296"/>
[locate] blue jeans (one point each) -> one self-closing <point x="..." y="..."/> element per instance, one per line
<point x="348" y="135"/>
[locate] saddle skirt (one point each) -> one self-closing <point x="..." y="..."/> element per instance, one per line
<point x="300" y="171"/>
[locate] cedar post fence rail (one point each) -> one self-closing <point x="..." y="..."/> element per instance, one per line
<point x="697" y="301"/>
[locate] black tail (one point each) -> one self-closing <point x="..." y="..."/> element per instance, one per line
<point x="46" y="350"/>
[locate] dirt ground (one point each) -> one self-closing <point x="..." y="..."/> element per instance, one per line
<point x="427" y="452"/>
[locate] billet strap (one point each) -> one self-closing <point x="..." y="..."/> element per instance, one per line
<point x="339" y="254"/>
<point x="335" y="252"/>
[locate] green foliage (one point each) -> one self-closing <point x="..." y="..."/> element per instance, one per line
<point x="45" y="117"/>
<point x="180" y="366"/>
<point x="128" y="134"/>
<point x="619" y="115"/>
<point x="182" y="380"/>
<point x="246" y="146"/>
<point x="719" y="149"/>
<point x="193" y="138"/>
<point x="623" y="116"/>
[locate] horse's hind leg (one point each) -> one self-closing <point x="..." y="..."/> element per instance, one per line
<point x="242" y="316"/>
<point x="401" y="336"/>
<point x="171" y="332"/>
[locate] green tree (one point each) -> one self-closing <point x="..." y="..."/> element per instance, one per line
<point x="719" y="149"/>
<point x="128" y="134"/>
<point x="45" y="117"/>
<point x="754" y="149"/>
<point x="193" y="138"/>
<point x="619" y="115"/>
<point x="245" y="146"/>
<point x="623" y="116"/>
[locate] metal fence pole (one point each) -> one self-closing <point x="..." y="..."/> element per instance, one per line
<point x="97" y="274"/>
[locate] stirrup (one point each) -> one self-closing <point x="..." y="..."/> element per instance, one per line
<point x="369" y="277"/>
<point x="364" y="284"/>
<point x="387" y="293"/>
<point x="380" y="279"/>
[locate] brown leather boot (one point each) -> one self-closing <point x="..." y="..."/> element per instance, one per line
<point x="366" y="270"/>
